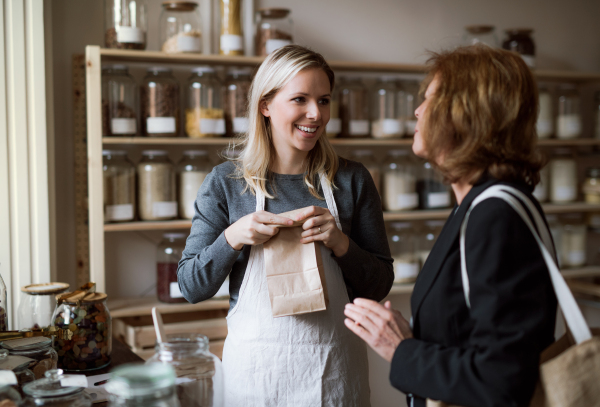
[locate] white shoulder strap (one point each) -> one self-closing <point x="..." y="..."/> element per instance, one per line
<point x="571" y="311"/>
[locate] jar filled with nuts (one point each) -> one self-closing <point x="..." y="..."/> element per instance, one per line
<point x="125" y="24"/>
<point x="39" y="349"/>
<point x="119" y="102"/>
<point x="180" y="27"/>
<point x="237" y="90"/>
<point x="204" y="115"/>
<point x="159" y="101"/>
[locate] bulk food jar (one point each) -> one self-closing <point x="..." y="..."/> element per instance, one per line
<point x="159" y="102"/>
<point x="409" y="103"/>
<point x="37" y="349"/>
<point x="399" y="181"/>
<point x="126" y="24"/>
<point x="484" y="34"/>
<point x="427" y="237"/>
<point x="591" y="186"/>
<point x="191" y="172"/>
<point x="204" y="115"/>
<point x="433" y="193"/>
<point x="545" y="121"/>
<point x="156" y="186"/>
<point x="519" y="40"/>
<point x="237" y="91"/>
<point x="180" y="27"/>
<point x="367" y="158"/>
<point x="188" y="354"/>
<point x="274" y="29"/>
<point x="568" y="119"/>
<point x="354" y="108"/>
<point x="597" y="115"/>
<point x="542" y="188"/>
<point x="137" y="385"/>
<point x="37" y="304"/>
<point x="231" y="41"/>
<point x="563" y="177"/>
<point x="574" y="241"/>
<point x="119" y="102"/>
<point x="118" y="177"/>
<point x="50" y="392"/>
<point x="168" y="255"/>
<point x="387" y="121"/>
<point x="18" y="365"/>
<point x="403" y="249"/>
<point x="334" y="126"/>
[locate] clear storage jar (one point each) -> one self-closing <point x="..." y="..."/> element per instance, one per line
<point x="403" y="249"/>
<point x="334" y="126"/>
<point x="519" y="40"/>
<point x="274" y="29"/>
<point x="39" y="349"/>
<point x="118" y="176"/>
<point x="157" y="199"/>
<point x="367" y="158"/>
<point x="354" y="108"/>
<point x="180" y="27"/>
<point x="188" y="354"/>
<point x="399" y="181"/>
<point x="481" y="34"/>
<point x="563" y="177"/>
<point x="137" y="385"/>
<point x="433" y="192"/>
<point x="387" y="121"/>
<point x="568" y="119"/>
<point x="168" y="254"/>
<point x="591" y="186"/>
<point x="159" y="101"/>
<point x="204" y="115"/>
<point x="237" y="92"/>
<point x="49" y="392"/>
<point x="574" y="241"/>
<point x="409" y="103"/>
<point x="545" y="121"/>
<point x="427" y="238"/>
<point x="119" y="102"/>
<point x="231" y="41"/>
<point x="19" y="366"/>
<point x="126" y="24"/>
<point x="37" y="304"/>
<point x="191" y="172"/>
<point x="542" y="188"/>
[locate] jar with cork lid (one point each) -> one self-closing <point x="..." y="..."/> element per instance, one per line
<point x="180" y="27"/>
<point x="274" y="29"/>
<point x="159" y="101"/>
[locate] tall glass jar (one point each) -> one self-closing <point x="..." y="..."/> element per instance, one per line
<point x="404" y="252"/>
<point x="274" y="29"/>
<point x="563" y="177"/>
<point x="481" y="34"/>
<point x="427" y="238"/>
<point x="231" y="41"/>
<point x="49" y="392"/>
<point x="542" y="188"/>
<point x="519" y="40"/>
<point x="399" y="181"/>
<point x="237" y="92"/>
<point x="574" y="241"/>
<point x="126" y="24"/>
<point x="191" y="172"/>
<point x="157" y="199"/>
<point x="168" y="254"/>
<point x="188" y="354"/>
<point x="409" y="103"/>
<point x="334" y="126"/>
<point x="545" y="121"/>
<point x="591" y="185"/>
<point x="367" y="158"/>
<point x="180" y="27"/>
<point x="118" y="176"/>
<point x="159" y="101"/>
<point x="354" y="108"/>
<point x="135" y="385"/>
<point x="387" y="121"/>
<point x="433" y="192"/>
<point x="3" y="304"/>
<point x="37" y="304"/>
<point x="44" y="357"/>
<point x="204" y="115"/>
<point x="119" y="102"/>
<point x="568" y="119"/>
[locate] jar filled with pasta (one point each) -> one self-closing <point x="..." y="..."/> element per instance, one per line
<point x="118" y="176"/>
<point x="159" y="101"/>
<point x="400" y="181"/>
<point x="191" y="172"/>
<point x="231" y="41"/>
<point x="156" y="186"/>
<point x="237" y="92"/>
<point x="387" y="121"/>
<point x="119" y="102"/>
<point x="204" y="114"/>
<point x="354" y="108"/>
<point x="180" y="27"/>
<point x="402" y="242"/>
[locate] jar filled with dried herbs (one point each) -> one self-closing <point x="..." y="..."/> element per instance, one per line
<point x="157" y="199"/>
<point x="237" y="91"/>
<point x="204" y="115"/>
<point x="354" y="108"/>
<point x="191" y="172"/>
<point x="119" y="102"/>
<point x="126" y="24"/>
<point x="159" y="100"/>
<point x="180" y="27"/>
<point x="119" y="186"/>
<point x="275" y="29"/>
<point x="231" y="41"/>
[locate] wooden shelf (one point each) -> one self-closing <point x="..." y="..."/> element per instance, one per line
<point x="148" y="225"/>
<point x="135" y="307"/>
<point x="416" y="215"/>
<point x="571" y="207"/>
<point x="591" y="271"/>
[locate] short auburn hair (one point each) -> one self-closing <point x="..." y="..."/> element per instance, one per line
<point x="482" y="117"/>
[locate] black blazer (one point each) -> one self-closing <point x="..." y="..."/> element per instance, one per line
<point x="488" y="355"/>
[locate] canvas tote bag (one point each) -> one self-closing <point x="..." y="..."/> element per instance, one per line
<point x="570" y="367"/>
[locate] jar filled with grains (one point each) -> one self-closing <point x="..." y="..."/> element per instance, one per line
<point x="568" y="119"/>
<point x="354" y="108"/>
<point x="126" y="24"/>
<point x="400" y="181"/>
<point x="191" y="172"/>
<point x="118" y="186"/>
<point x="204" y="115"/>
<point x="387" y="121"/>
<point x="403" y="249"/>
<point x="563" y="177"/>
<point x="275" y="29"/>
<point x="237" y="92"/>
<point x="157" y="199"/>
<point x="180" y="27"/>
<point x="167" y="257"/>
<point x="119" y="102"/>
<point x="159" y="101"/>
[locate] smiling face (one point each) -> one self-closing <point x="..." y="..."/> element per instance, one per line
<point x="418" y="146"/>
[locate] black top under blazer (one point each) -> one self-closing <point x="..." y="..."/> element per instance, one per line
<point x="488" y="355"/>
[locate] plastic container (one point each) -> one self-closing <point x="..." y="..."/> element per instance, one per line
<point x="574" y="241"/>
<point x="137" y="385"/>
<point x="545" y="121"/>
<point x="403" y="249"/>
<point x="274" y="29"/>
<point x="400" y="181"/>
<point x="409" y="102"/>
<point x="39" y="349"/>
<point x="387" y="121"/>
<point x="119" y="102"/>
<point x="126" y="24"/>
<point x="485" y="34"/>
<point x="367" y="158"/>
<point x="118" y="176"/>
<point x="591" y="186"/>
<point x="180" y="27"/>
<point x="354" y="108"/>
<point x="159" y="101"/>
<point x="519" y="40"/>
<point x="49" y="392"/>
<point x="37" y="304"/>
<point x="541" y="190"/>
<point x="157" y="199"/>
<point x="563" y="177"/>
<point x="168" y="254"/>
<point x="204" y="114"/>
<point x="334" y="126"/>
<point x="191" y="172"/>
<point x="231" y="41"/>
<point x="568" y="119"/>
<point x="237" y="91"/>
<point x="433" y="193"/>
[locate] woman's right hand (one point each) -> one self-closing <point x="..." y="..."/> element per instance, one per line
<point x="255" y="228"/>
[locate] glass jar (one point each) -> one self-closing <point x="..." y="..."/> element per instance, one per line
<point x="367" y="158"/>
<point x="159" y="101"/>
<point x="403" y="249"/>
<point x="427" y="237"/>
<point x="19" y="365"/>
<point x="204" y="115"/>
<point x="157" y="199"/>
<point x="334" y="126"/>
<point x="37" y="304"/>
<point x="49" y="392"/>
<point x="9" y="397"/>
<point x="136" y="385"/>
<point x="274" y="29"/>
<point x="433" y="192"/>
<point x="541" y="189"/>
<point x="574" y="241"/>
<point x="563" y="177"/>
<point x="126" y="24"/>
<point x="399" y="181"/>
<point x="231" y="41"/>
<point x="39" y="349"/>
<point x="188" y="354"/>
<point x="88" y="318"/>
<point x="597" y="115"/>
<point x="191" y="172"/>
<point x="545" y="121"/>
<point x="568" y="120"/>
<point x="168" y="255"/>
<point x="118" y="176"/>
<point x="519" y="40"/>
<point x="591" y="186"/>
<point x="354" y="108"/>
<point x="180" y="27"/>
<point x="237" y="92"/>
<point x="119" y="102"/>
<point x="387" y="122"/>
<point x="3" y="306"/>
<point x="409" y="103"/>
<point x="485" y="34"/>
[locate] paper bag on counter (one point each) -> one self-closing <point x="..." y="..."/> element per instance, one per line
<point x="295" y="275"/>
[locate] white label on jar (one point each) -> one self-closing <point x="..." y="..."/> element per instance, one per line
<point x="174" y="291"/>
<point x="119" y="212"/>
<point x="407" y="201"/>
<point x="240" y="124"/>
<point x="123" y="126"/>
<point x="231" y="43"/>
<point x="164" y="209"/>
<point x="564" y="193"/>
<point x="406" y="270"/>
<point x="212" y="126"/>
<point x="130" y="34"/>
<point x="358" y="127"/>
<point x="8" y="377"/>
<point x="568" y="126"/>
<point x="272" y="45"/>
<point x="155" y="125"/>
<point x="576" y="258"/>
<point x="438" y="199"/>
<point x="391" y="126"/>
<point x="189" y="43"/>
<point x="410" y="126"/>
<point x="529" y="60"/>
<point x="544" y="128"/>
<point x="334" y="126"/>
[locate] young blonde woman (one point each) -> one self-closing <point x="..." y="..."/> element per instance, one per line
<point x="287" y="163"/>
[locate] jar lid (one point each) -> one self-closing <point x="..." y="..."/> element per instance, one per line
<point x="83" y="298"/>
<point x="154" y="152"/>
<point x="45" y="288"/>
<point x="593" y="172"/>
<point x="194" y="153"/>
<point x="50" y="387"/>
<point x="519" y="31"/>
<point x="203" y="69"/>
<point x="25" y="344"/>
<point x="159" y="69"/>
<point x="138" y="380"/>
<point x="479" y="29"/>
<point x="113" y="152"/>
<point x="174" y="235"/>
<point x="180" y="5"/>
<point x="274" y="12"/>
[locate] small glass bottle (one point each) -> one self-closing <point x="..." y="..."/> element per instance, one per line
<point x="39" y="350"/>
<point x="568" y="120"/>
<point x="231" y="41"/>
<point x="574" y="241"/>
<point x="50" y="392"/>
<point x="591" y="186"/>
<point x="519" y="40"/>
<point x="126" y="24"/>
<point x="168" y="254"/>
<point x="157" y="199"/>
<point x="433" y="192"/>
<point x="409" y="103"/>
<point x="545" y="121"/>
<point x="119" y="102"/>
<point x="191" y="172"/>
<point x="386" y="122"/>
<point x="542" y="188"/>
<point x="399" y="181"/>
<point x="180" y="27"/>
<point x="135" y="385"/>
<point x="354" y="108"/>
<point x="274" y="29"/>
<point x="3" y="306"/>
<point x="563" y="177"/>
<point x="403" y="249"/>
<point x="367" y="158"/>
<point x="118" y="176"/>
<point x="237" y="92"/>
<point x="159" y="101"/>
<point x="204" y="115"/>
<point x="481" y="34"/>
<point x="37" y="304"/>
<point x="334" y="126"/>
<point x="427" y="238"/>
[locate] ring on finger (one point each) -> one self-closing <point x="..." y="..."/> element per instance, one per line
<point x="320" y="231"/>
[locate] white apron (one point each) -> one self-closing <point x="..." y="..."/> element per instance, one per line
<point x="297" y="361"/>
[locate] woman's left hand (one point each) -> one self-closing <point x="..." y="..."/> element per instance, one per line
<point x="322" y="227"/>
<point x="381" y="327"/>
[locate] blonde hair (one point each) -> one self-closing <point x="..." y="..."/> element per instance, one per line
<point x="257" y="152"/>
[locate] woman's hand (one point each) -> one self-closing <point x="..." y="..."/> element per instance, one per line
<point x="381" y="327"/>
<point x="255" y="228"/>
<point x="322" y="227"/>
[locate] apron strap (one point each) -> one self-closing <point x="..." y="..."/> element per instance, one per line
<point x="260" y="201"/>
<point x="327" y="191"/>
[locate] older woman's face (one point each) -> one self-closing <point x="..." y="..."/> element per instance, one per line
<point x="418" y="145"/>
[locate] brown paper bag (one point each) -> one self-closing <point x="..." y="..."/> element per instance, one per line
<point x="295" y="275"/>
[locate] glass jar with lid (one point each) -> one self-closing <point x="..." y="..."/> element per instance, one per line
<point x="545" y="121"/>
<point x="119" y="102"/>
<point x="399" y="181"/>
<point x="237" y="92"/>
<point x="50" y="392"/>
<point x="563" y="176"/>
<point x="367" y="158"/>
<point x="19" y="366"/>
<point x="87" y="316"/>
<point x="481" y="34"/>
<point x="231" y="41"/>
<point x="38" y="349"/>
<point x="574" y="241"/>
<point x="135" y="385"/>
<point x="180" y="27"/>
<point x="354" y="108"/>
<point x="433" y="192"/>
<point x="204" y="115"/>
<point x="168" y="255"/>
<point x="37" y="304"/>
<point x="126" y="24"/>
<point x="3" y="306"/>
<point x="157" y="199"/>
<point x="191" y="172"/>
<point x="591" y="186"/>
<point x="541" y="189"/>
<point x="409" y="103"/>
<point x="387" y="121"/>
<point x="159" y="101"/>
<point x="519" y="40"/>
<point x="404" y="252"/>
<point x="334" y="126"/>
<point x="189" y="355"/>
<point x="568" y="119"/>
<point x="427" y="238"/>
<point x="274" y="29"/>
<point x="118" y="176"/>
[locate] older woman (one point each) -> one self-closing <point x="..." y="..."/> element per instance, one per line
<point x="477" y="126"/>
